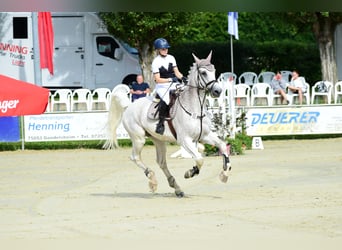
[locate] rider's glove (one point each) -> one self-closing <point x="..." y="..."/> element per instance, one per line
<point x="185" y="80"/>
<point x="174" y="79"/>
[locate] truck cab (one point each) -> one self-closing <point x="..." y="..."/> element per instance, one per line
<point x="85" y="54"/>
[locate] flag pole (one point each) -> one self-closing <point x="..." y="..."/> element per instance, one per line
<point x="232" y="30"/>
<point x="232" y="99"/>
<point x="231" y="54"/>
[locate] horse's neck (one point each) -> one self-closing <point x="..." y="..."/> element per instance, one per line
<point x="193" y="100"/>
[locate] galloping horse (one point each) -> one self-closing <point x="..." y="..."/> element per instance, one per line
<point x="189" y="124"/>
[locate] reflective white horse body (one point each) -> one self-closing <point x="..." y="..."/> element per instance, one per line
<point x="189" y="120"/>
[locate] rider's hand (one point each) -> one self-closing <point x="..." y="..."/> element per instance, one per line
<point x="174" y="79"/>
<point x="185" y="80"/>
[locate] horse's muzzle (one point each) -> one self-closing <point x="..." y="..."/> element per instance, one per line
<point x="216" y="90"/>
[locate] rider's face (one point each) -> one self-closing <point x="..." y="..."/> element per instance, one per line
<point x="163" y="52"/>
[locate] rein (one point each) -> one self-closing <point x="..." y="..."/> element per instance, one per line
<point x="194" y="115"/>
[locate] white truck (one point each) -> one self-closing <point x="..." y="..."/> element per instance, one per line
<point x="85" y="54"/>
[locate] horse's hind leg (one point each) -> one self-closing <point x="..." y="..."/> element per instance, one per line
<point x="138" y="143"/>
<point x="161" y="160"/>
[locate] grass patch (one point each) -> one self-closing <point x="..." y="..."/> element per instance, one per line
<point x="237" y="145"/>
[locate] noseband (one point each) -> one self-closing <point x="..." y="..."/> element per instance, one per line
<point x="200" y="78"/>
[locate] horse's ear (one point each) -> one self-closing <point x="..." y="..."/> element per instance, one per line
<point x="209" y="56"/>
<point x="197" y="60"/>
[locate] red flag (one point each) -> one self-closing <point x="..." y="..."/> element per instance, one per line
<point x="21" y="98"/>
<point x="45" y="32"/>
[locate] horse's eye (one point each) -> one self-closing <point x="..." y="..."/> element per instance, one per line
<point x="204" y="73"/>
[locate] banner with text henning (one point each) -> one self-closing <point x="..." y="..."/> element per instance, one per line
<point x="69" y="127"/>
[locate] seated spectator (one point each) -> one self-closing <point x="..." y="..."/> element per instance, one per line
<point x="139" y="88"/>
<point x="279" y="87"/>
<point x="297" y="85"/>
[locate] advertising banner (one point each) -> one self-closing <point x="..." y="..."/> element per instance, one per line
<point x="9" y="129"/>
<point x="292" y="120"/>
<point x="68" y="127"/>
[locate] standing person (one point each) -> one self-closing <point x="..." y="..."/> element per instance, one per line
<point x="279" y="87"/>
<point x="167" y="76"/>
<point x="139" y="88"/>
<point x="297" y="85"/>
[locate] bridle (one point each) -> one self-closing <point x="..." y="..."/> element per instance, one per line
<point x="199" y="87"/>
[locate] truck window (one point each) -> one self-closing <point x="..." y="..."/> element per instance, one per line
<point x="20" y="28"/>
<point x="106" y="46"/>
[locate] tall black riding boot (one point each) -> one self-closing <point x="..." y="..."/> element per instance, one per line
<point x="163" y="113"/>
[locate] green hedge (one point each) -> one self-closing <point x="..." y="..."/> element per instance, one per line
<point x="254" y="56"/>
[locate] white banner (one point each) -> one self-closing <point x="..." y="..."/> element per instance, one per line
<point x="68" y="127"/>
<point x="293" y="120"/>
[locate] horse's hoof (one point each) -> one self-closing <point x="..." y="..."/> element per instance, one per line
<point x="152" y="183"/>
<point x="191" y="172"/>
<point x="153" y="186"/>
<point x="180" y="194"/>
<point x="223" y="176"/>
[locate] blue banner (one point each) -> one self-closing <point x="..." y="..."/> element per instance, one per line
<point x="9" y="129"/>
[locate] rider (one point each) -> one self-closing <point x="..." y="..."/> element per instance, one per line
<point x="166" y="76"/>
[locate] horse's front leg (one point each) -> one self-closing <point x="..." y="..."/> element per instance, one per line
<point x="213" y="139"/>
<point x="192" y="148"/>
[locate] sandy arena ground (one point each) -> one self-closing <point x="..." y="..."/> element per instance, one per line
<point x="287" y="196"/>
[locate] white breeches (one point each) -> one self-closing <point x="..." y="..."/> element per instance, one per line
<point x="163" y="90"/>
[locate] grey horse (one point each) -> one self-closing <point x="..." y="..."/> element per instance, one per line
<point x="189" y="124"/>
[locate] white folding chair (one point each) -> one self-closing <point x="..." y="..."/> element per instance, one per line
<point x="100" y="99"/>
<point x="286" y="75"/>
<point x="242" y="94"/>
<point x="61" y="100"/>
<point x="80" y="100"/>
<point x="338" y="91"/>
<point x="261" y="91"/>
<point x="276" y="98"/>
<point x="213" y="104"/>
<point x="227" y="76"/>
<point x="293" y="97"/>
<point x="249" y="78"/>
<point x="266" y="76"/>
<point x="315" y="94"/>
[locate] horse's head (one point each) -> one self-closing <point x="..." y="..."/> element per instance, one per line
<point x="206" y="76"/>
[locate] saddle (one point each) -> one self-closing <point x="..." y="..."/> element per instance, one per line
<point x="153" y="111"/>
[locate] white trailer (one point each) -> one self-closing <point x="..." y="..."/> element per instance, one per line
<point x="85" y="54"/>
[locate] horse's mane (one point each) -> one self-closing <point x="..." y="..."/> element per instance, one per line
<point x="199" y="63"/>
<point x="192" y="72"/>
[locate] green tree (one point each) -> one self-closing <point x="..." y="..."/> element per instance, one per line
<point x="299" y="26"/>
<point x="253" y="26"/>
<point x="207" y="26"/>
<point x="140" y="29"/>
<point x="308" y="27"/>
<point x="323" y="27"/>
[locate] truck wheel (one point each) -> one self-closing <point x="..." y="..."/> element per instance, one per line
<point x="129" y="79"/>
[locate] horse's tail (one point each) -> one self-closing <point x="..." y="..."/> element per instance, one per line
<point x="119" y="102"/>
